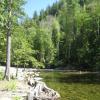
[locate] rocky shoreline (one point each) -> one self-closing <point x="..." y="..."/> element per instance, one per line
<point x="30" y="86"/>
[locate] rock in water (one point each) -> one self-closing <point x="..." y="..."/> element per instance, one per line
<point x="40" y="91"/>
<point x="38" y="78"/>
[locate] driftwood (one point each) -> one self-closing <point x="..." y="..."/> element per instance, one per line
<point x="40" y="91"/>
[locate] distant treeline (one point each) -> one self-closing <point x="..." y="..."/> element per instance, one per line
<point x="66" y="33"/>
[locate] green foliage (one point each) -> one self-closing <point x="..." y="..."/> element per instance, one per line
<point x="68" y="32"/>
<point x="2" y="47"/>
<point x="22" y="53"/>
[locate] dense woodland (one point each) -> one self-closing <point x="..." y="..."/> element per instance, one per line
<point x="65" y="34"/>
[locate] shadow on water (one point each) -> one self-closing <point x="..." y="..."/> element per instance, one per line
<point x="84" y="78"/>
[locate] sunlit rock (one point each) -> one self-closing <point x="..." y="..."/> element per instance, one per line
<point x="40" y="91"/>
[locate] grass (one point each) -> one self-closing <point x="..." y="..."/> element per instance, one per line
<point x="8" y="85"/>
<point x="74" y="86"/>
<point x="11" y="86"/>
<point x="17" y="98"/>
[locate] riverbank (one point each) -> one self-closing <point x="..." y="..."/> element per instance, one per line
<point x="27" y="86"/>
<point x="13" y="70"/>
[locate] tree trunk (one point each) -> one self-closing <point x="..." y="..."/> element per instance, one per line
<point x="98" y="26"/>
<point x="58" y="50"/>
<point x="24" y="66"/>
<point x="17" y="71"/>
<point x="69" y="51"/>
<point x="7" y="70"/>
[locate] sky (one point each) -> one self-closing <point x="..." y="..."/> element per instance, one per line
<point x="36" y="5"/>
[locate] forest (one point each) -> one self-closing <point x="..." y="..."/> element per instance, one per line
<point x="65" y="34"/>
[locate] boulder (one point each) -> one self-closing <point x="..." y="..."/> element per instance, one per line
<point x="40" y="91"/>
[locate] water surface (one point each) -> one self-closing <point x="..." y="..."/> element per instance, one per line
<point x="74" y="85"/>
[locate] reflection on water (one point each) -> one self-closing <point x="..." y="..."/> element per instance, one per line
<point x="73" y="77"/>
<point x="74" y="85"/>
